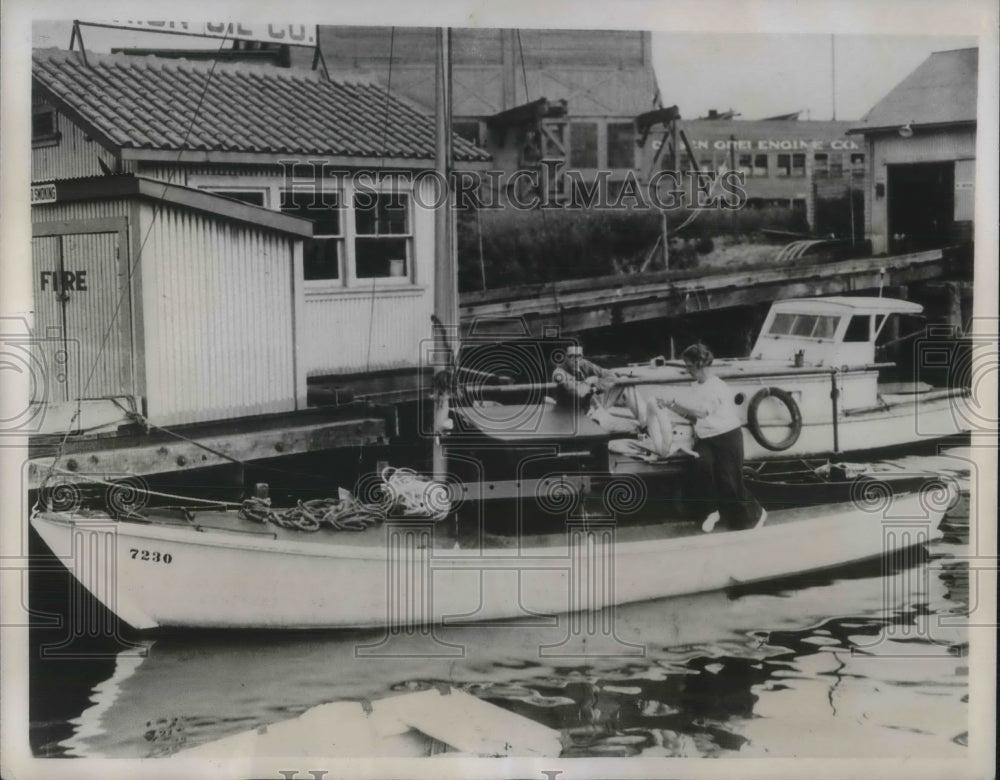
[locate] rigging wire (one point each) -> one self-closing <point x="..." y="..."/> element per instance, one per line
<point x="381" y="165"/>
<point x="527" y="99"/>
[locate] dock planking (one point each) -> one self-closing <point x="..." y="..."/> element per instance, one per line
<point x="582" y="305"/>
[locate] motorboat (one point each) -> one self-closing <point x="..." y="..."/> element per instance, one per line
<point x="810" y="388"/>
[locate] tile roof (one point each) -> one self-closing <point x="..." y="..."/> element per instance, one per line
<point x="173" y="105"/>
<point x="942" y="90"/>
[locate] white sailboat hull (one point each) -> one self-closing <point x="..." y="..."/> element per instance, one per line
<point x="163" y="575"/>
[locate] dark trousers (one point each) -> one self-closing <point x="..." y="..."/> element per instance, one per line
<point x="718" y="481"/>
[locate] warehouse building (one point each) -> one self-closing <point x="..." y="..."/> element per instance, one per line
<point x="920" y="141"/>
<point x="522" y="95"/>
<point x="188" y="275"/>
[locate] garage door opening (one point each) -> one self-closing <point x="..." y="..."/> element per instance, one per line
<point x="921" y="203"/>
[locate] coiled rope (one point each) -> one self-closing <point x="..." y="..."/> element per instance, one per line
<point x="403" y="494"/>
<point x="345" y="513"/>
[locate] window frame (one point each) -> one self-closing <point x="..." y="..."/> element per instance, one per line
<point x="51" y="138"/>
<point x="338" y="240"/>
<point x="225" y="192"/>
<point x="821" y="171"/>
<point x="744" y="164"/>
<point x="630" y="144"/>
<point x="572" y="126"/>
<point x="409" y="277"/>
<point x="857" y="165"/>
<point x="460" y="126"/>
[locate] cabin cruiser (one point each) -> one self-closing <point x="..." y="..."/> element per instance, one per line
<point x="809" y="388"/>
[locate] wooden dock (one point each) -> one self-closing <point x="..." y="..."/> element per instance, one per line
<point x="139" y="453"/>
<point x="587" y="304"/>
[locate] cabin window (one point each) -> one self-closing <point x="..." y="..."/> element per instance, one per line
<point x="745" y="165"/>
<point x="321" y="254"/>
<point x="382" y="241"/>
<point x="583" y="144"/>
<point x="857" y="165"/>
<point x="858" y="329"/>
<point x="44" y="129"/>
<point x="826" y="327"/>
<point x="804" y="325"/>
<point x="621" y="145"/>
<point x="782" y="325"/>
<point x="836" y="166"/>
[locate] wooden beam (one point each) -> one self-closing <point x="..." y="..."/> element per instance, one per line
<point x="658" y="116"/>
<point x="105" y="461"/>
<point x="528" y="112"/>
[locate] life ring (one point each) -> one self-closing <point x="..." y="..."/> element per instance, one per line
<point x="754" y="424"/>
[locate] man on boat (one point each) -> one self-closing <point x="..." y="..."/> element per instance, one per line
<point x="577" y="379"/>
<point x="719" y="466"/>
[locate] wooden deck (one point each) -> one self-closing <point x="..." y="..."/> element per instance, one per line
<point x="138" y="453"/>
<point x="587" y="304"/>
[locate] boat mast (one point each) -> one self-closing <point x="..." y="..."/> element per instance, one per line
<point x="445" y="270"/>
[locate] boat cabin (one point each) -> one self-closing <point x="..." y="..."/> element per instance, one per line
<point x="803" y="346"/>
<point x="834" y="331"/>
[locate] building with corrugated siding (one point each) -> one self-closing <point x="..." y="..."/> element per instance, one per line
<point x="920" y="141"/>
<point x="193" y="273"/>
<point x="523" y="95"/>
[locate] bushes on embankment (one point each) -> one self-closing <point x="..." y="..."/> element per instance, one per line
<point x="503" y="247"/>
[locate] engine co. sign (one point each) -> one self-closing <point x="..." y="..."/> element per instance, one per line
<point x="776" y="145"/>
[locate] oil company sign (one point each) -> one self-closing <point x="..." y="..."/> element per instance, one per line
<point x="298" y="34"/>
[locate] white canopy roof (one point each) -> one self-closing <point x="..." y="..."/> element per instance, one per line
<point x="859" y="303"/>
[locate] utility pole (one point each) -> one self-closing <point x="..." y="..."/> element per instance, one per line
<point x="833" y="76"/>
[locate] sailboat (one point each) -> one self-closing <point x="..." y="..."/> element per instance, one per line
<point x="220" y="568"/>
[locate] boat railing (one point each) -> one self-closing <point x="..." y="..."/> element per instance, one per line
<point x="631" y="381"/>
